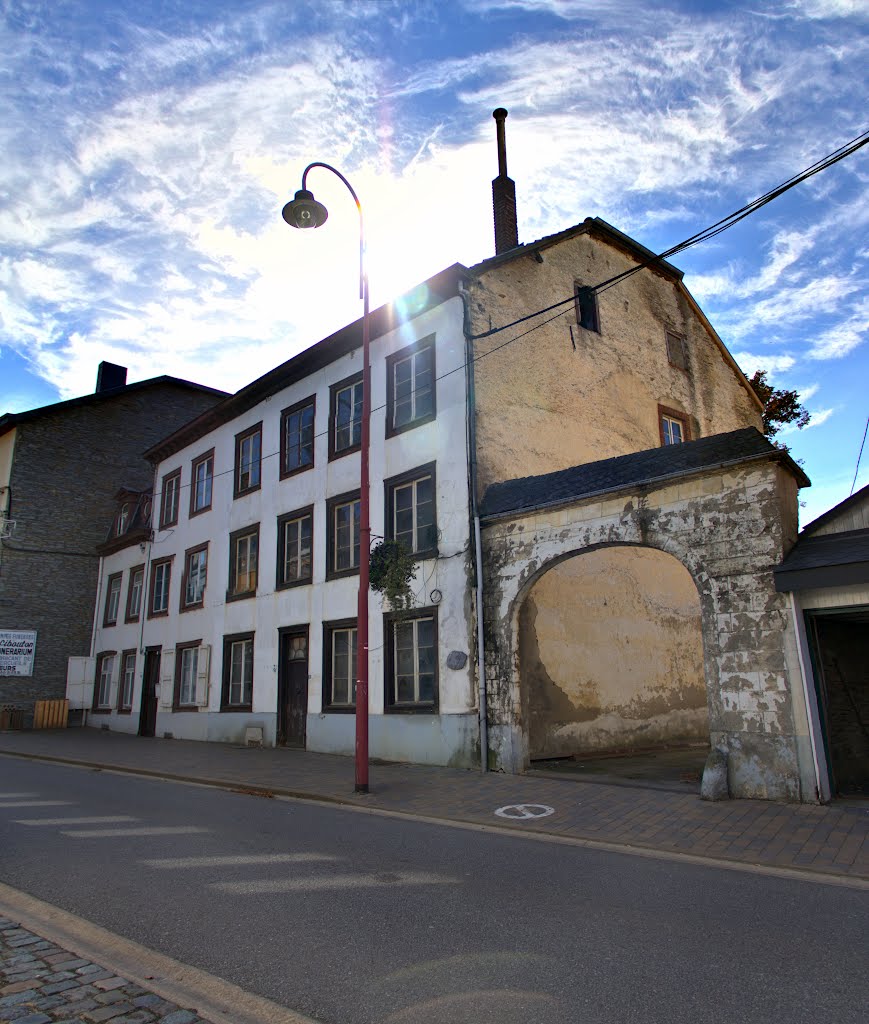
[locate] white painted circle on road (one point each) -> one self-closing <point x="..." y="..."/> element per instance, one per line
<point x="520" y="812"/>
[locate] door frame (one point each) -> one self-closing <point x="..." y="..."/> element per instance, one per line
<point x="146" y="729"/>
<point x="284" y="633"/>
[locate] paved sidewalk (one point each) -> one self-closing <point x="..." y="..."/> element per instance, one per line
<point x="828" y="840"/>
<point x="41" y="983"/>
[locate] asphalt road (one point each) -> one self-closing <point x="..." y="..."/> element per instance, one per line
<point x="350" y="917"/>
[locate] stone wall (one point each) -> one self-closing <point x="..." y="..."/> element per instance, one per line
<point x="729" y="528"/>
<point x="68" y="465"/>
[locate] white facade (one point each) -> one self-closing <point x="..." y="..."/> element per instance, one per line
<point x="420" y="711"/>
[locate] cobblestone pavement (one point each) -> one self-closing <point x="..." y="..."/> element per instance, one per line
<point x="831" y="840"/>
<point x="41" y="983"/>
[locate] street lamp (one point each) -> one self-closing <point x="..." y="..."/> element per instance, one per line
<point x="305" y="212"/>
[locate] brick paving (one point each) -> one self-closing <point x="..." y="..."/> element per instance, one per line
<point x="830" y="840"/>
<point x="41" y="983"/>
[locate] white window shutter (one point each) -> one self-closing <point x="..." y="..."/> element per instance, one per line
<point x="202" y="666"/>
<point x="113" y="682"/>
<point x="167" y="678"/>
<point x="80" y="682"/>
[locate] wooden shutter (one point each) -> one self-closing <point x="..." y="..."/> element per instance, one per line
<point x="167" y="678"/>
<point x="202" y="665"/>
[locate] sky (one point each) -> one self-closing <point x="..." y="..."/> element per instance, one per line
<point x="148" y="147"/>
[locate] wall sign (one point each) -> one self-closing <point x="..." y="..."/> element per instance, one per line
<point x="17" y="650"/>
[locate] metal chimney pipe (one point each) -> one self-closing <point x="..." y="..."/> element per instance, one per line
<point x="503" y="194"/>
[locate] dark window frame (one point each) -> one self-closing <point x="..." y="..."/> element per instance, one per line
<point x="126" y="709"/>
<point x="328" y="629"/>
<point x="390" y="620"/>
<point x="151" y="614"/>
<point x="228" y="641"/>
<point x="128" y="614"/>
<point x="283" y="522"/>
<point x="170" y="520"/>
<point x="292" y="410"/>
<point x="204" y="457"/>
<point x="176" y="691"/>
<point x="401" y="480"/>
<point x="255" y="431"/>
<point x="332" y="504"/>
<point x="677" y="343"/>
<point x="423" y="344"/>
<point x="673" y="414"/>
<point x="352" y="381"/>
<point x="246" y="531"/>
<point x="183" y="605"/>
<point x="586" y="307"/>
<point x="115" y="577"/>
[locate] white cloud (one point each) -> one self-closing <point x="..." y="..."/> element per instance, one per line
<point x="844" y="337"/>
<point x="751" y="363"/>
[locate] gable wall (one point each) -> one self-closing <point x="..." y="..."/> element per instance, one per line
<point x="543" y="405"/>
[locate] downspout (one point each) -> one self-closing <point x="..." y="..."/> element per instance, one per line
<point x="475" y="522"/>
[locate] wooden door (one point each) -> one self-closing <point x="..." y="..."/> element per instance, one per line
<point x="293" y="688"/>
<point x="148" y="705"/>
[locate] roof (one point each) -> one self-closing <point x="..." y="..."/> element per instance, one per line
<point x="828" y="560"/>
<point x="836" y="511"/>
<point x="640" y="468"/>
<point x="10" y="420"/>
<point x="418" y="300"/>
<point x="591" y="225"/>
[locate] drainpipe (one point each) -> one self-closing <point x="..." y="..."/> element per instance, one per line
<point x="475" y="521"/>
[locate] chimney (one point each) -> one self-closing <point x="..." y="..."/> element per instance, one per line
<point x="503" y="194"/>
<point x="110" y="376"/>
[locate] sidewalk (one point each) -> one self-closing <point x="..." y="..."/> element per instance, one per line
<point x="828" y="840"/>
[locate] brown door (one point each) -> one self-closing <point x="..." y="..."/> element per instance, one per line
<point x="293" y="688"/>
<point x="148" y="706"/>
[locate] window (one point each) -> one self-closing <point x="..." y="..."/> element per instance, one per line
<point x="113" y="599"/>
<point x="342" y="515"/>
<point x="673" y="425"/>
<point x="297" y="437"/>
<point x="339" y="669"/>
<point x="123" y="518"/>
<point x="410" y="386"/>
<point x="411" y="663"/>
<point x="105" y="680"/>
<point x="586" y="307"/>
<point x="193" y="581"/>
<point x="186" y="674"/>
<point x="243" y="562"/>
<point x="161" y="573"/>
<point x="134" y="593"/>
<point x="128" y="679"/>
<point x="169" y="500"/>
<point x="345" y="416"/>
<point x="410" y="505"/>
<point x="248" y="457"/>
<point x="295" y="544"/>
<point x="676" y="351"/>
<point x="237" y="694"/>
<point x="201" y="480"/>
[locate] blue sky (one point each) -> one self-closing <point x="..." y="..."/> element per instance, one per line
<point x="148" y="148"/>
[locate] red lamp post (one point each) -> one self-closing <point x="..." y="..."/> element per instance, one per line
<point x="305" y="212"/>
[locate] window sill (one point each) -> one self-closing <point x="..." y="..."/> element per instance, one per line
<point x="230" y="708"/>
<point x="339" y="709"/>
<point x="246" y="491"/>
<point x="199" y="511"/>
<point x="101" y="711"/>
<point x="187" y="707"/>
<point x="340" y="574"/>
<point x="240" y="597"/>
<point x="306" y="582"/>
<point x="333" y="456"/>
<point x="285" y="474"/>
<point x="411" y="709"/>
<point x="419" y="422"/>
<point x="192" y="607"/>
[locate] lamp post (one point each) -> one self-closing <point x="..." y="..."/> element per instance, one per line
<point x="305" y="212"/>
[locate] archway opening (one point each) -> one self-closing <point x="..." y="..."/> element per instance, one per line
<point x="611" y="667"/>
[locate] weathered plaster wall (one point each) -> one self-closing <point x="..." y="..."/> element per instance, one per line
<point x="728" y="528"/>
<point x="611" y="654"/>
<point x="543" y="405"/>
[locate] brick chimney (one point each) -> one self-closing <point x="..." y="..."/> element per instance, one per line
<point x="110" y="376"/>
<point x="503" y="194"/>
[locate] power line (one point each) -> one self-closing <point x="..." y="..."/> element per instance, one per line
<point x="859" y="457"/>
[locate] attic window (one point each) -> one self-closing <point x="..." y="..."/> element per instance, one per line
<point x="676" y="351"/>
<point x="123" y="518"/>
<point x="586" y="307"/>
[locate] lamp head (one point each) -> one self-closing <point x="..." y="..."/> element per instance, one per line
<point x="304" y="211"/>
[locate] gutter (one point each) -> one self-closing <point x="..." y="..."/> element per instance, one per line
<point x="471" y="419"/>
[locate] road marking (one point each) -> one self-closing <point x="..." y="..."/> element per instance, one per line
<point x="16" y="796"/>
<point x="145" y="830"/>
<point x="265" y="886"/>
<point x="107" y="819"/>
<point x="36" y="803"/>
<point x="520" y="812"/>
<point x="244" y="858"/>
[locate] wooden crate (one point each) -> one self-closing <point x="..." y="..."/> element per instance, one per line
<point x="50" y="714"/>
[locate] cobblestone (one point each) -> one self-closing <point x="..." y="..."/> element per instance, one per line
<point x="73" y="990"/>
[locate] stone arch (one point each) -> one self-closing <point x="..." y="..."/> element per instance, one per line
<point x="610" y="657"/>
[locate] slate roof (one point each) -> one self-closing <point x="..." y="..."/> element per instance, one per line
<point x="826" y="560"/>
<point x="646" y="467"/>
